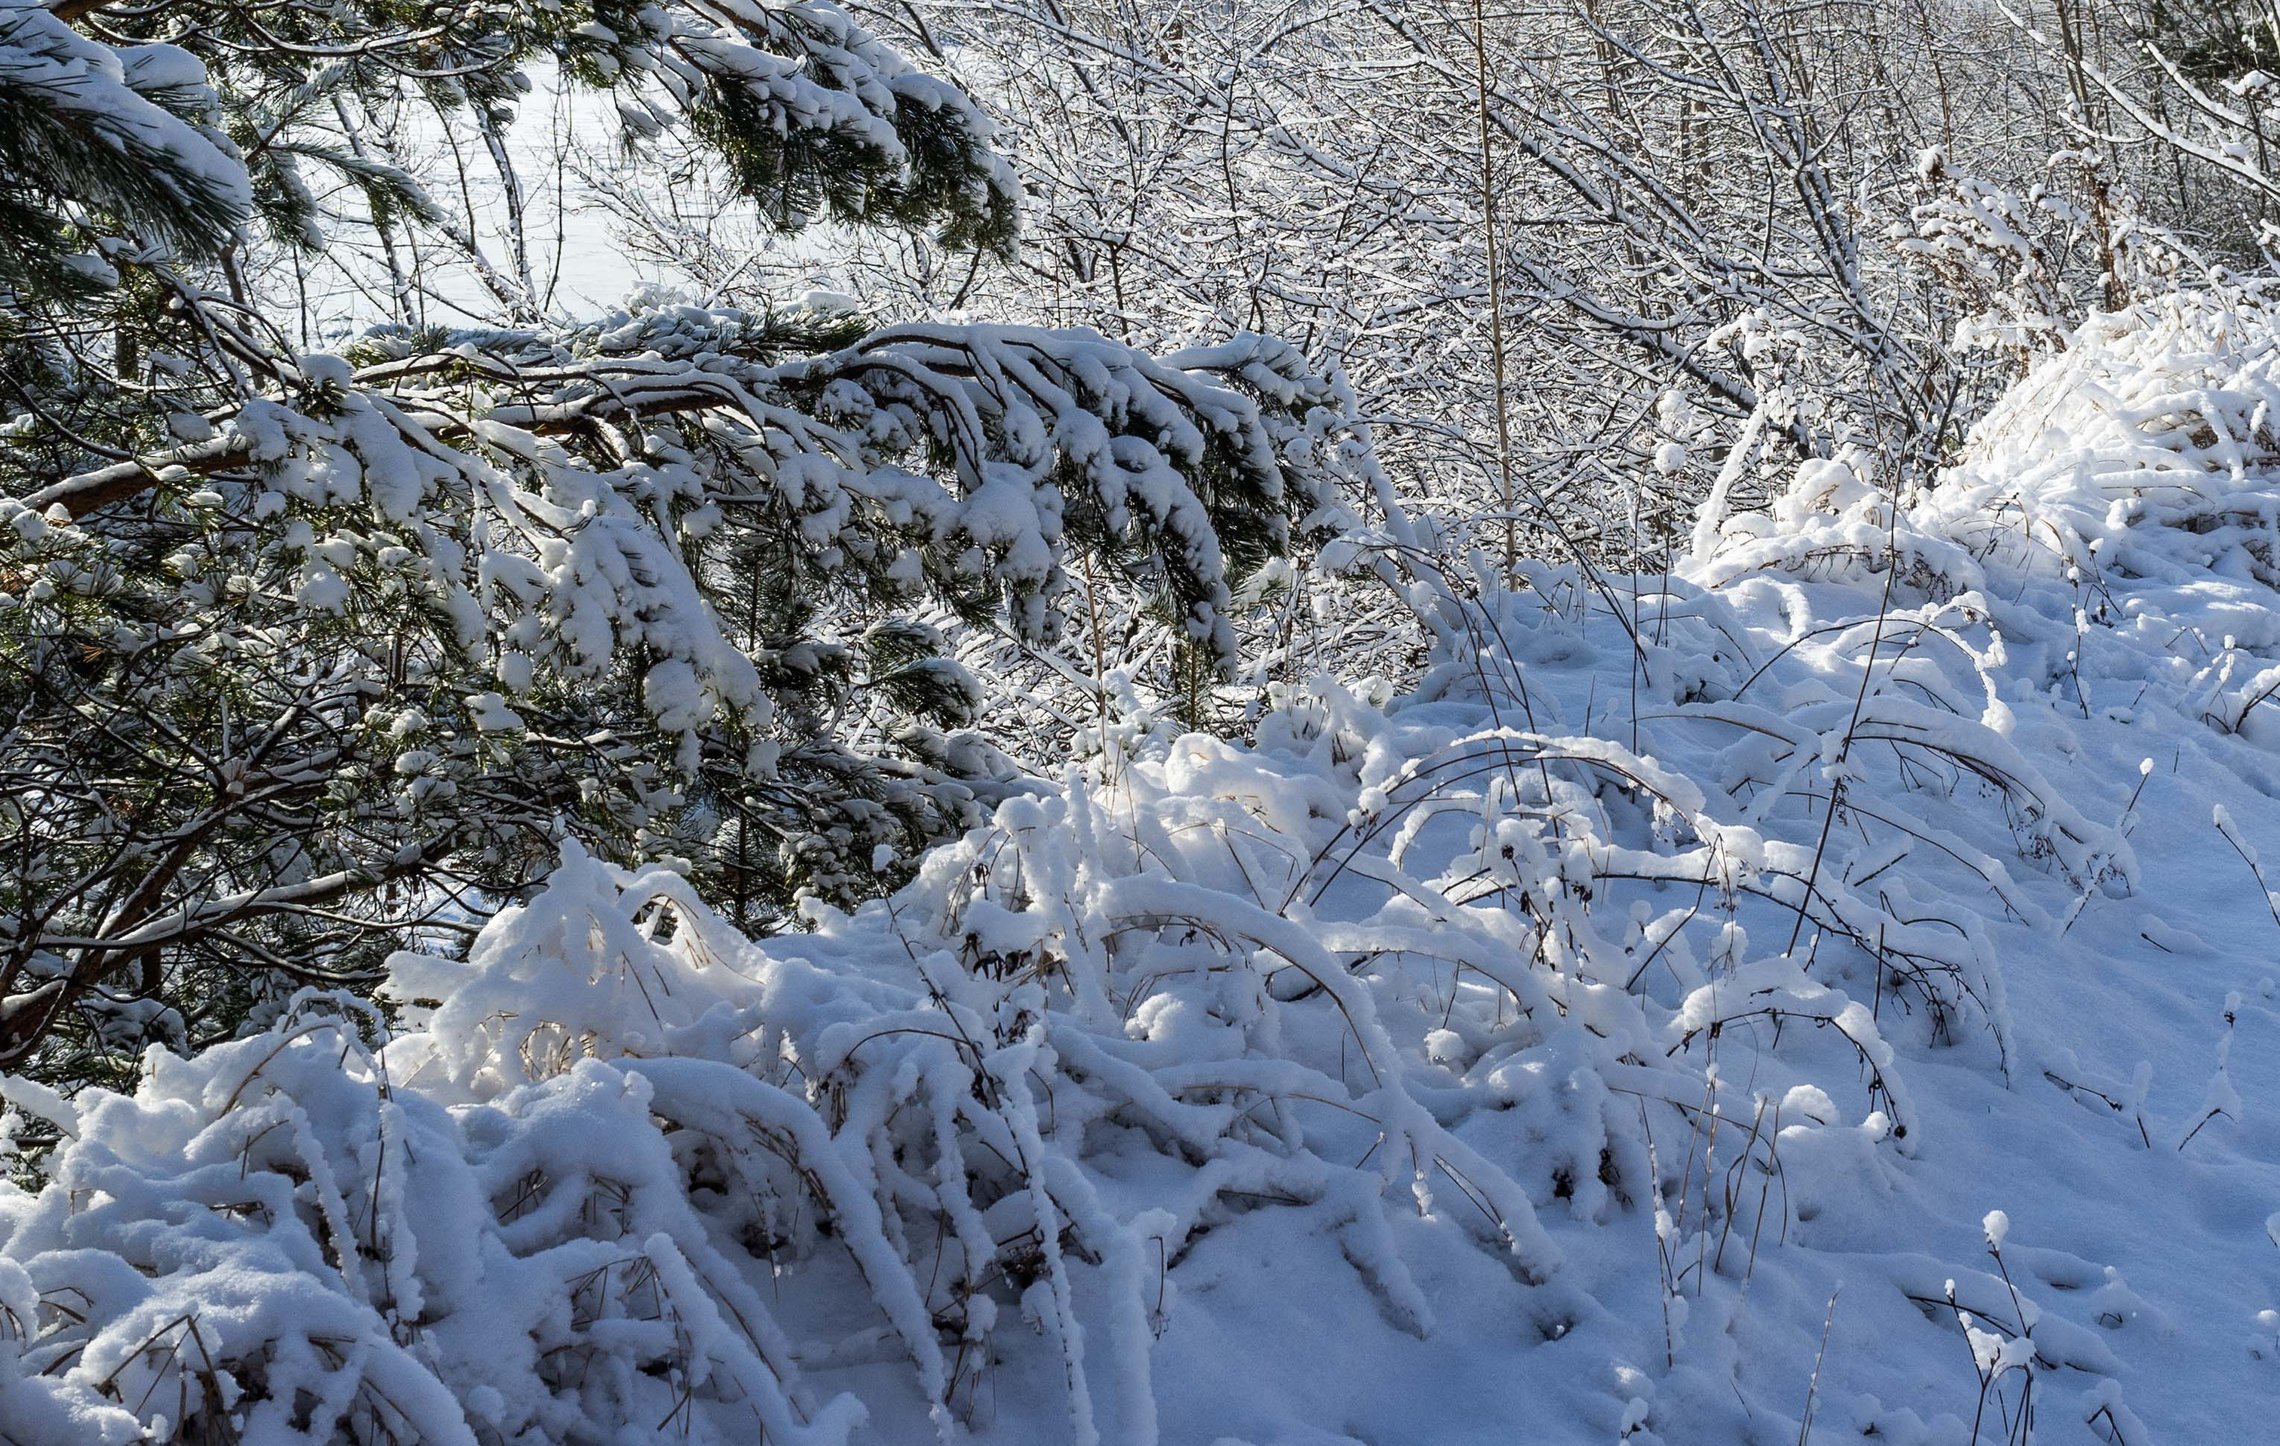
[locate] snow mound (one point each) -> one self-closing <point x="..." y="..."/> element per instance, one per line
<point x="2153" y="437"/>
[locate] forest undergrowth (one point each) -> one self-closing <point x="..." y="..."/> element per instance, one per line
<point x="1704" y="1005"/>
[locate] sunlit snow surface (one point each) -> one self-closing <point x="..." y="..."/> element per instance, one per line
<point x="1455" y="1068"/>
<point x="603" y="225"/>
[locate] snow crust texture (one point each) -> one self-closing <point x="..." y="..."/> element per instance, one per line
<point x="1823" y="992"/>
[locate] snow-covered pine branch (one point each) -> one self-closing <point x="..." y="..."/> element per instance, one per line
<point x="306" y="648"/>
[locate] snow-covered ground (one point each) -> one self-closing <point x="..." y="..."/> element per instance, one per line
<point x="1534" y="1056"/>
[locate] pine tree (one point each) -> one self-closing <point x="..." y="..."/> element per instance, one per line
<point x="303" y="654"/>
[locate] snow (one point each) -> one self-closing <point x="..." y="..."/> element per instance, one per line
<point x="1873" y="1020"/>
<point x="115" y="94"/>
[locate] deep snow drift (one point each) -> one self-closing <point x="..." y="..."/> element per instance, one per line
<point x="1538" y="1056"/>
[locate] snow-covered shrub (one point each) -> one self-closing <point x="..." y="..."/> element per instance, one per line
<point x="1375" y="960"/>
